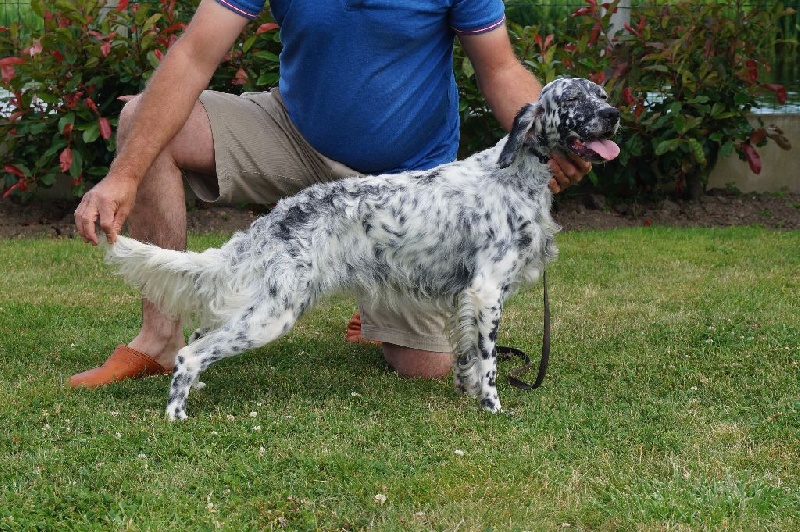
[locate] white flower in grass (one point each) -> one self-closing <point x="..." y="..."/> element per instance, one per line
<point x="253" y="414"/>
<point x="257" y="428"/>
<point x="458" y="452"/>
<point x="380" y="498"/>
<point x="210" y="505"/>
<point x="142" y="456"/>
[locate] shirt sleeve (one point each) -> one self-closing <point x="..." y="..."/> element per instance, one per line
<point x="249" y="9"/>
<point x="470" y="17"/>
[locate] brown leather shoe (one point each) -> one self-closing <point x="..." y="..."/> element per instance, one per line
<point x="124" y="363"/>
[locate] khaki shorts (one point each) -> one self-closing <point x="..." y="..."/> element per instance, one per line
<point x="261" y="158"/>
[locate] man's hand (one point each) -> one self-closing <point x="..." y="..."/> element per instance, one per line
<point x="110" y="202"/>
<point x="165" y="105"/>
<point x="566" y="171"/>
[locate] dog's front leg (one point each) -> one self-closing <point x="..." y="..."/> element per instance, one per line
<point x="488" y="323"/>
<point x="475" y="367"/>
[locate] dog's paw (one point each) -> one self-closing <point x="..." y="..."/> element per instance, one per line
<point x="467" y="384"/>
<point x="492" y="404"/>
<point x="198" y="385"/>
<point x="176" y="413"/>
<point x="465" y="376"/>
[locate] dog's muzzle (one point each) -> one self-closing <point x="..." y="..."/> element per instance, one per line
<point x="601" y="149"/>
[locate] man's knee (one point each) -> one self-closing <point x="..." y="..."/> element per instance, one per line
<point x="126" y="116"/>
<point x="190" y="150"/>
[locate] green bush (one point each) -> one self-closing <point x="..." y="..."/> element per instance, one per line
<point x="66" y="83"/>
<point x="685" y="76"/>
<point x="19" y="12"/>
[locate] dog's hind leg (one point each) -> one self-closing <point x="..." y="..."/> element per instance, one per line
<point x="252" y="328"/>
<point x="475" y="368"/>
<point x="196" y="335"/>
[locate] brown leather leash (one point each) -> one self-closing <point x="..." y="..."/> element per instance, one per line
<point x="504" y="352"/>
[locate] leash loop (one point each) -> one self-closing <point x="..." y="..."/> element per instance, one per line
<point x="504" y="352"/>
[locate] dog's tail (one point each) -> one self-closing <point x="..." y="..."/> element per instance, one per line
<point x="182" y="284"/>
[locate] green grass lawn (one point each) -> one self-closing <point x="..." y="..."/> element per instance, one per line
<point x="672" y="402"/>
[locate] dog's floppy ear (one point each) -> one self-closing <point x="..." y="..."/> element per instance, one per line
<point x="520" y="131"/>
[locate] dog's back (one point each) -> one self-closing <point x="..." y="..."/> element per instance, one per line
<point x="418" y="234"/>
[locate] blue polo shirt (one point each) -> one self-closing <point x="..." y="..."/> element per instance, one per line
<point x="370" y="83"/>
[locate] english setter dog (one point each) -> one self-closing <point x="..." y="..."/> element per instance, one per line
<point x="459" y="238"/>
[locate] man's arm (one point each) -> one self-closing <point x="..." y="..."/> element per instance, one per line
<point x="163" y="108"/>
<point x="507" y="85"/>
<point x="175" y="86"/>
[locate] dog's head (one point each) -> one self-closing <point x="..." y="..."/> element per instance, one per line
<point x="571" y="115"/>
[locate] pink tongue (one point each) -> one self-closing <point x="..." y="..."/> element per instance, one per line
<point x="607" y="149"/>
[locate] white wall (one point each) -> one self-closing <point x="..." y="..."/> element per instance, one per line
<point x="780" y="169"/>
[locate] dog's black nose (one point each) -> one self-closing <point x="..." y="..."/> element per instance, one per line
<point x="610" y="113"/>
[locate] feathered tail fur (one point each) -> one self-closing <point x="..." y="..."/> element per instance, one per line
<point x="183" y="284"/>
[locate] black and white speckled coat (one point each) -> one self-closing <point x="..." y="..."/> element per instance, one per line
<point x="459" y="238"/>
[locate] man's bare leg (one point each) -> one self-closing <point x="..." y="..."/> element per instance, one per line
<point x="406" y="361"/>
<point x="159" y="217"/>
<point x="417" y="363"/>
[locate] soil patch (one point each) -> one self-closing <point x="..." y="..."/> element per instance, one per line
<point x="718" y="208"/>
